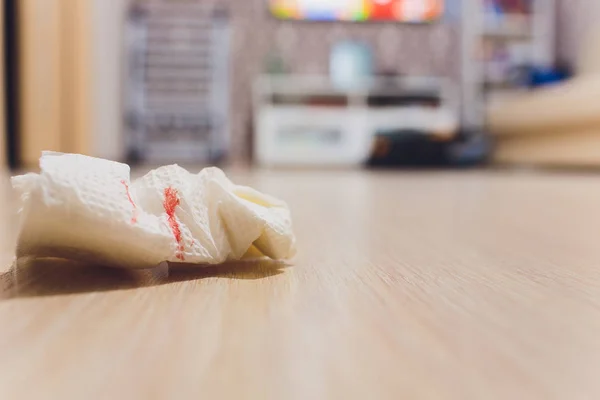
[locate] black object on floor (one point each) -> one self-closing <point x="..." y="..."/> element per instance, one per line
<point x="413" y="148"/>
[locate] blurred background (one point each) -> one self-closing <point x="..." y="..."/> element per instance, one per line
<point x="300" y="83"/>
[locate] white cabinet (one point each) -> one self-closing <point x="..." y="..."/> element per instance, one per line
<point x="302" y="120"/>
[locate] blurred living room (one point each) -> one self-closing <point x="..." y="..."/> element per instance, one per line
<point x="439" y="161"/>
<point x="303" y="83"/>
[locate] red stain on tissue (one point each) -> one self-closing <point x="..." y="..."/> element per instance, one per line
<point x="170" y="204"/>
<point x="134" y="216"/>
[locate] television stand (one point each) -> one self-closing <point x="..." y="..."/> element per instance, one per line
<point x="306" y="120"/>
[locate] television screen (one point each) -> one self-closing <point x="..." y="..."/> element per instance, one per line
<point x="358" y="10"/>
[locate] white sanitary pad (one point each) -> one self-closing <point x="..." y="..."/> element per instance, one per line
<point x="86" y="208"/>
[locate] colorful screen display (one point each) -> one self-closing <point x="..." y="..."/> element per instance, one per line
<point x="358" y="10"/>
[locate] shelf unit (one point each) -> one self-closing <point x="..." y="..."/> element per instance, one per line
<point x="308" y="120"/>
<point x="498" y="38"/>
<point x="177" y="83"/>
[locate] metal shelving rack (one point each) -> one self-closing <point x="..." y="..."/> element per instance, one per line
<point x="177" y="85"/>
<point x="535" y="34"/>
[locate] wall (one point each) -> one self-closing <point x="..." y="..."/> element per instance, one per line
<point x="54" y="77"/>
<point x="575" y="20"/>
<point x="108" y="18"/>
<point x="39" y="78"/>
<point x="71" y="77"/>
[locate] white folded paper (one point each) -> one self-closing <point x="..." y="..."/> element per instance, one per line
<point x="87" y="209"/>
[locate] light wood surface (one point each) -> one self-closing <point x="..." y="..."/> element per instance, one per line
<point x="423" y="285"/>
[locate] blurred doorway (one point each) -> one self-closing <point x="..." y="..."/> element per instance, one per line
<point x="9" y="102"/>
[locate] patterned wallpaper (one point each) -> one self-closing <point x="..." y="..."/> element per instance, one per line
<point x="415" y="49"/>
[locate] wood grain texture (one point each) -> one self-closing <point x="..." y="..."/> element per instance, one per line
<point x="475" y="285"/>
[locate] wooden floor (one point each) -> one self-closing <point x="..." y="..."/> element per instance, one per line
<point x="421" y="285"/>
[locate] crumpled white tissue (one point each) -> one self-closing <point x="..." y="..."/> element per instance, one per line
<point x="88" y="209"/>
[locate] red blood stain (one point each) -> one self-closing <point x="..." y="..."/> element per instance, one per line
<point x="170" y="204"/>
<point x="134" y="216"/>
